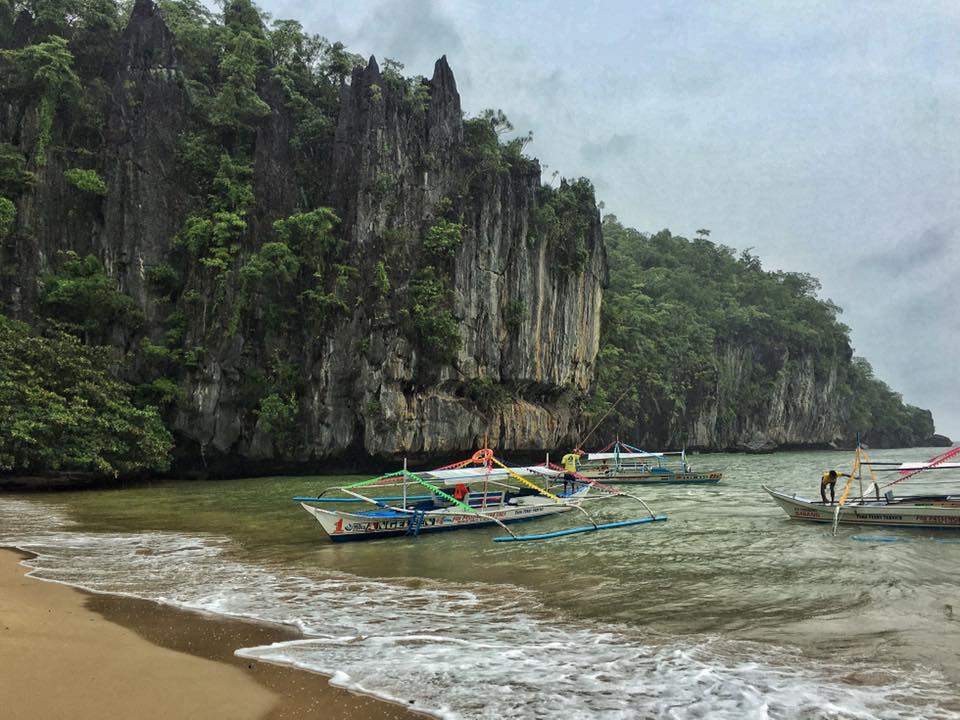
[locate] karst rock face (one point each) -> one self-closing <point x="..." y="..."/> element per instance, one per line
<point x="802" y="407"/>
<point x="528" y="326"/>
<point x="144" y="205"/>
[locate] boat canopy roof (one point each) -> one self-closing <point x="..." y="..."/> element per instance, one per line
<point x="928" y="466"/>
<point x="622" y="456"/>
<point x="479" y="474"/>
<point x="619" y="450"/>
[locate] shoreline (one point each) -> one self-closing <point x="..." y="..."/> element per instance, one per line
<point x="68" y="652"/>
<point x="76" y="481"/>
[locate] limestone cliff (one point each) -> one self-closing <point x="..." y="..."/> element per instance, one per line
<point x="528" y="327"/>
<point x="802" y="407"/>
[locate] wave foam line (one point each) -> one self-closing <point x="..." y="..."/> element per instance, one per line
<point x="466" y="652"/>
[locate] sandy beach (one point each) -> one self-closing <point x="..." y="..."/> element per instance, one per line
<point x="70" y="654"/>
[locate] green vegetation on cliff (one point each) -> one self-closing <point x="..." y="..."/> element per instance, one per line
<point x="677" y="309"/>
<point x="880" y="413"/>
<point x="64" y="410"/>
<point x="86" y="300"/>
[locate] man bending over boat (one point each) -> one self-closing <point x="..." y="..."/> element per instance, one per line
<point x="829" y="478"/>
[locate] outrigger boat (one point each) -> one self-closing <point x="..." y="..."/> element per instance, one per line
<point x="622" y="464"/>
<point x="870" y="507"/>
<point x="508" y="495"/>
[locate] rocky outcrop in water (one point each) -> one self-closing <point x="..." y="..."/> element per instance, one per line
<point x="801" y="408"/>
<point x="805" y="403"/>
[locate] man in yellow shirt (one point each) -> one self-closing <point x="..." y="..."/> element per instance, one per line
<point x="829" y="478"/>
<point x="570" y="466"/>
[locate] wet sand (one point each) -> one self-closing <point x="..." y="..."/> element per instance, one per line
<point x="66" y="653"/>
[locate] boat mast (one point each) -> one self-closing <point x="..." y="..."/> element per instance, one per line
<point x="859" y="466"/>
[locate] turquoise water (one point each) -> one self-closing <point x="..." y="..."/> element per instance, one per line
<point x="729" y="609"/>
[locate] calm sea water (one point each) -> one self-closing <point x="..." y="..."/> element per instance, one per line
<point x="727" y="610"/>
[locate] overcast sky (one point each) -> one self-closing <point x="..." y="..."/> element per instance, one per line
<point x="824" y="135"/>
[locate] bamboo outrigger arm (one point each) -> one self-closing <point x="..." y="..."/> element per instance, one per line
<point x="611" y="492"/>
<point x="594" y="526"/>
<point x="622" y="494"/>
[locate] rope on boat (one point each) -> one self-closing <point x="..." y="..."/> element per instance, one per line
<point x="480" y="457"/>
<point x="526" y="482"/>
<point x="407" y="474"/>
<point x="540" y="490"/>
<point x="375" y="480"/>
<point x="434" y="489"/>
<point x="855" y="472"/>
<point x="604" y="417"/>
<point x="932" y="464"/>
<point x="849" y="483"/>
<point x="456" y="465"/>
<point x="584" y="479"/>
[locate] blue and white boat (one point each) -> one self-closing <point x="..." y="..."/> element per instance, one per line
<point x="460" y="498"/>
<point x="623" y="464"/>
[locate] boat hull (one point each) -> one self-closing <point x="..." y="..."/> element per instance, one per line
<point x="938" y="512"/>
<point x="347" y="527"/>
<point x="627" y="477"/>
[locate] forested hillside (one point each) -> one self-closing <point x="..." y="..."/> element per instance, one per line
<point x="704" y="348"/>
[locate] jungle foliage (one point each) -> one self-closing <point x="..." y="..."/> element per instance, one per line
<point x="676" y="307"/>
<point x="86" y="300"/>
<point x="566" y="213"/>
<point x="490" y="150"/>
<point x="437" y="329"/>
<point x="64" y="410"/>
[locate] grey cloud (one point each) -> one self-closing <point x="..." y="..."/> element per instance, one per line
<point x="415" y="32"/>
<point x="614" y="147"/>
<point x="918" y="253"/>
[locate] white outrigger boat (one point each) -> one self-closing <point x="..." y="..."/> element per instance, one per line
<point x="507" y="495"/>
<point x="870" y="507"/>
<point x="622" y="464"/>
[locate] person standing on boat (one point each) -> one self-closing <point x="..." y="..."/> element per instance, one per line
<point x="829" y="478"/>
<point x="570" y="469"/>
